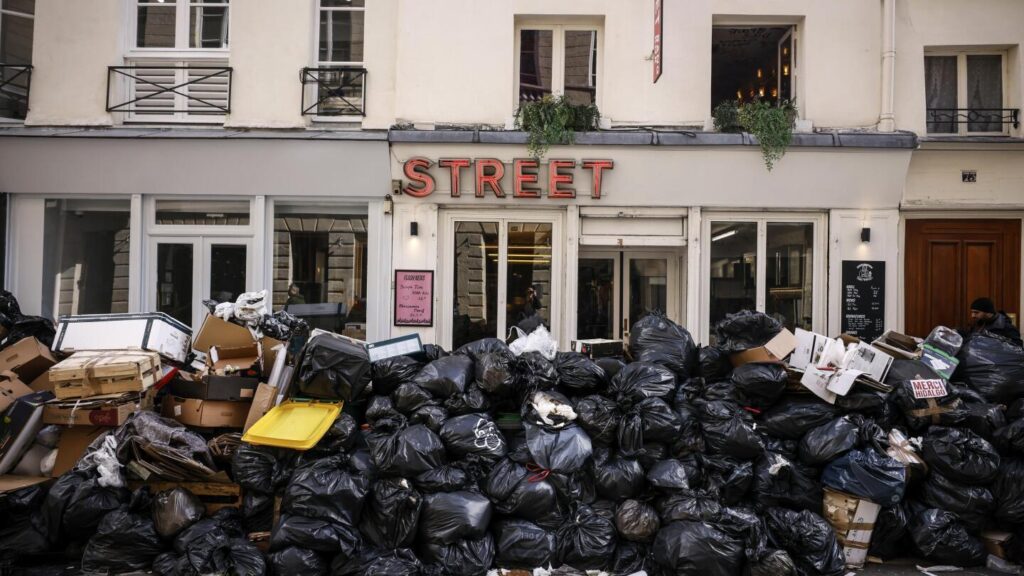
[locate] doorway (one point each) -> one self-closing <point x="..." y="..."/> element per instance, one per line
<point x="949" y="263"/>
<point x="618" y="287"/>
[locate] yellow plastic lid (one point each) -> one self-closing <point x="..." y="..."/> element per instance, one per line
<point x="298" y="425"/>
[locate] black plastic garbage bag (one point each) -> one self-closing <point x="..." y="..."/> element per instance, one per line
<point x="463" y="558"/>
<point x="729" y="477"/>
<point x="618" y="478"/>
<point x="872" y="403"/>
<point x="867" y="474"/>
<point x="691" y="504"/>
<point x="326" y="489"/>
<point x="495" y="373"/>
<point x="629" y="558"/>
<point x="566" y="450"/>
<point x="972" y="504"/>
<point x="23" y="531"/>
<point x="369" y="560"/>
<point x="388" y="373"/>
<point x="534" y="372"/>
<point x="257" y="511"/>
<point x="448" y="517"/>
<point x="744" y="330"/>
<point x="224" y="521"/>
<point x="599" y="417"/>
<point x="522" y="544"/>
<point x="405" y="452"/>
<point x="516" y="491"/>
<point x="649" y="420"/>
<point x="433" y="417"/>
<point x="473" y="434"/>
<point x="477" y="348"/>
<point x="125" y="539"/>
<point x="391" y="513"/>
<point x="940" y="537"/>
<point x="759" y="385"/>
<point x="690" y="439"/>
<point x="827" y="442"/>
<point x="888" y="539"/>
<point x="791" y="418"/>
<point x="992" y="365"/>
<point x="433" y="352"/>
<point x="333" y="368"/>
<point x="670" y="475"/>
<point x="293" y="560"/>
<point x="808" y="538"/>
<point x="409" y="398"/>
<point x="215" y="552"/>
<point x="611" y="366"/>
<point x="640" y="380"/>
<point x="729" y="430"/>
<point x="322" y="535"/>
<point x="774" y="563"/>
<point x="37" y="327"/>
<point x="380" y="408"/>
<point x="261" y="468"/>
<point x="470" y="401"/>
<point x="578" y="373"/>
<point x="779" y="481"/>
<point x="697" y="549"/>
<point x="1008" y="491"/>
<point x="77" y="503"/>
<point x="655" y="338"/>
<point x="961" y="455"/>
<point x="1010" y="438"/>
<point x="446" y="376"/>
<point x="714" y="364"/>
<point x="586" y="541"/>
<point x="746" y="524"/>
<point x="444" y="478"/>
<point x="922" y="412"/>
<point x="174" y="510"/>
<point x="637" y="521"/>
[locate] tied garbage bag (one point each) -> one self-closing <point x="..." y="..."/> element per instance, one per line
<point x="293" y="560"/>
<point x="972" y="504"/>
<point x="516" y="491"/>
<point x="960" y="455"/>
<point x="380" y="408"/>
<point x="473" y="400"/>
<point x="333" y="368"/>
<point x="611" y="366"/>
<point x="774" y="563"/>
<point x="940" y="537"/>
<point x="791" y="418"/>
<point x="629" y="558"/>
<point x="650" y="420"/>
<point x="473" y="434"/>
<point x="986" y="419"/>
<point x="326" y="489"/>
<point x="808" y="538"/>
<point x="261" y="468"/>
<point x="779" y="481"/>
<point x="656" y="339"/>
<point x="867" y="474"/>
<point x="1008" y="491"/>
<point x="1010" y="438"/>
<point x="599" y="417"/>
<point x="446" y="377"/>
<point x="618" y="478"/>
<point x="744" y="330"/>
<point x="637" y="521"/>
<point x="174" y="510"/>
<point x="640" y="380"/>
<point x="827" y="442"/>
<point x="314" y="534"/>
<point x="523" y="545"/>
<point x="478" y="348"/>
<point x="888" y="539"/>
<point x="494" y="373"/>
<point x="215" y="552"/>
<point x="399" y="562"/>
<point x="433" y="352"/>
<point x="586" y="541"/>
<point x="448" y="517"/>
<point x="404" y="452"/>
<point x="729" y="477"/>
<point x="23" y="532"/>
<point x="670" y="475"/>
<point x="444" y="478"/>
<point x="690" y="439"/>
<point x="690" y="504"/>
<point x="729" y="430"/>
<point x="534" y="372"/>
<point x="463" y="558"/>
<point x="409" y="398"/>
<point x="391" y="513"/>
<point x="697" y="548"/>
<point x="922" y="412"/>
<point x="125" y="539"/>
<point x="433" y="417"/>
<point x="578" y="373"/>
<point x="566" y="450"/>
<point x="388" y="373"/>
<point x="992" y="365"/>
<point x="714" y="364"/>
<point x="759" y="385"/>
<point x="77" y="503"/>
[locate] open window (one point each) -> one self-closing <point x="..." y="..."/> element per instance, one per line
<point x="753" y="62"/>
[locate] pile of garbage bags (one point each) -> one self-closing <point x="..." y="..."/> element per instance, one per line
<point x="675" y="462"/>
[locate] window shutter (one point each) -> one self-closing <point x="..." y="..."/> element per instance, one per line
<point x="146" y="87"/>
<point x="213" y="91"/>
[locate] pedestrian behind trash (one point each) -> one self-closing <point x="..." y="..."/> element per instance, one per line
<point x="985" y="317"/>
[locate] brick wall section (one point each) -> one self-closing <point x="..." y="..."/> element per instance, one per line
<point x="343" y="269"/>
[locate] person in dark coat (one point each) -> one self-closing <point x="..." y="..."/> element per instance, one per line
<point x="985" y="317"/>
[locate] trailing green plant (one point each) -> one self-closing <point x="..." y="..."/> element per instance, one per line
<point x="726" y="116"/>
<point x="772" y="124"/>
<point x="554" y="120"/>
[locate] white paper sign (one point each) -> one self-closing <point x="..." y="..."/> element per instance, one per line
<point x="932" y="388"/>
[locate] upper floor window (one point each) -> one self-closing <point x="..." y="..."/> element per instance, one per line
<point x="964" y="94"/>
<point x="181" y="24"/>
<point x="341" y="32"/>
<point x="753" y="63"/>
<point x="558" y="59"/>
<point x="16" y="21"/>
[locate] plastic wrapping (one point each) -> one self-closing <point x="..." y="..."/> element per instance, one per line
<point x="174" y="510"/>
<point x="697" y="548"/>
<point x="867" y="474"/>
<point x="656" y="339"/>
<point x="961" y="455"/>
<point x="538" y="341"/>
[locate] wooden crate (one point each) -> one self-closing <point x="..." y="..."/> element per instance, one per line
<point x="213" y="495"/>
<point x="104" y="372"/>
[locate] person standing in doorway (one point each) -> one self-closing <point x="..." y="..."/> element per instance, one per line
<point x="295" y="295"/>
<point x="985" y="317"/>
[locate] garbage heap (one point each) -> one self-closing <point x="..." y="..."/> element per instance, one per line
<point x="682" y="460"/>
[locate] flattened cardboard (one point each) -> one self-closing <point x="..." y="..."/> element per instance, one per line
<point x="27" y="358"/>
<point x="12" y="482"/>
<point x="11" y="388"/>
<point x="853" y="520"/>
<point x="775" y="350"/>
<point x="262" y="402"/>
<point x="212" y="387"/>
<point x="995" y="541"/>
<point x="72" y="445"/>
<point x="104" y="410"/>
<point x="206" y="413"/>
<point x="217" y="332"/>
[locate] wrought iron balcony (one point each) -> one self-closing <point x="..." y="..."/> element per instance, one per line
<point x="15" y="82"/>
<point x="169" y="92"/>
<point x="948" y="120"/>
<point x="333" y="91"/>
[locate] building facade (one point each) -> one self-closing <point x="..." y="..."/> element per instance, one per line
<point x="159" y="153"/>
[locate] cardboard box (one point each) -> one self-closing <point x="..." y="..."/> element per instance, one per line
<point x="27" y="358"/>
<point x="264" y="399"/>
<point x="72" y="445"/>
<point x="212" y="387"/>
<point x="217" y="332"/>
<point x="92" y="373"/>
<point x="244" y="360"/>
<point x="153" y="331"/>
<point x="853" y="520"/>
<point x="12" y="483"/>
<point x="898" y="345"/>
<point x="206" y="413"/>
<point x="995" y="542"/>
<point x="19" y="426"/>
<point x="11" y="388"/>
<point x="42" y="383"/>
<point x="104" y="410"/>
<point x="776" y="350"/>
<point x="597" y="347"/>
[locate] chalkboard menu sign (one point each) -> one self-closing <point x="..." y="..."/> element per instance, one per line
<point x="863" y="299"/>
<point x="414" y="297"/>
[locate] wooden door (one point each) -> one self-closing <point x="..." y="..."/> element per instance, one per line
<point x="949" y="263"/>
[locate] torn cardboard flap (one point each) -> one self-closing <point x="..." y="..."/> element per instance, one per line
<point x="206" y="413"/>
<point x="11" y="388"/>
<point x="241" y="360"/>
<point x="217" y="332"/>
<point x="28" y="358"/>
<point x="775" y="350"/>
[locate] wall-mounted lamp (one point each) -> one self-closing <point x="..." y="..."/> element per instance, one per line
<point x="414" y="228"/>
<point x="865" y="234"/>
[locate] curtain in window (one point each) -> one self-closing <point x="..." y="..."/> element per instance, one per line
<point x="985" y="93"/>
<point x="940" y="93"/>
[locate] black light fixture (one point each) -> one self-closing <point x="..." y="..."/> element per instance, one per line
<point x="414" y="228"/>
<point x="865" y="234"/>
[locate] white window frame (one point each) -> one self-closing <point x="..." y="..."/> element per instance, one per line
<point x="961" y="88"/>
<point x="558" y="56"/>
<point x="181" y="50"/>
<point x="819" y="288"/>
<point x="32" y="19"/>
<point x="316" y="62"/>
<point x="447" y="265"/>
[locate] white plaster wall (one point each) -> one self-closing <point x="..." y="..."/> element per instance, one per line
<point x="380" y="46"/>
<point x="25" y="253"/>
<point x="415" y="253"/>
<point x="934" y="178"/>
<point x="845" y="244"/>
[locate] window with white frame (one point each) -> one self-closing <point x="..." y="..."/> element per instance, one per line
<point x="557" y="60"/>
<point x="16" y="28"/>
<point x="964" y="93"/>
<point x="181" y="24"/>
<point x="336" y="85"/>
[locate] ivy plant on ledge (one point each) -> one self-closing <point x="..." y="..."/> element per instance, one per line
<point x="554" y="120"/>
<point x="772" y="124"/>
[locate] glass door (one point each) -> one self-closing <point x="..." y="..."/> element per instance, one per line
<point x="598" y="297"/>
<point x="184" y="271"/>
<point x="617" y="288"/>
<point x="646" y="290"/>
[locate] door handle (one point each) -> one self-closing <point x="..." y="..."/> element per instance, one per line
<point x="625" y="327"/>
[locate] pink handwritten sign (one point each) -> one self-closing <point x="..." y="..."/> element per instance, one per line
<point x="414" y="297"/>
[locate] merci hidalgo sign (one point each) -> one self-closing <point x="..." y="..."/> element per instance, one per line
<point x="487" y="174"/>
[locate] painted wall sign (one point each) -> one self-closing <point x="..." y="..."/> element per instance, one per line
<point x="659" y="14"/>
<point x="864" y="298"/>
<point x="414" y="297"/>
<point x="487" y="174"/>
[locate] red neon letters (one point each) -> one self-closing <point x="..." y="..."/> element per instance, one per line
<point x="488" y="173"/>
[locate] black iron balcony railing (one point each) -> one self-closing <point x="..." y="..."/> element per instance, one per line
<point x="947" y="120"/>
<point x="333" y="91"/>
<point x="15" y="84"/>
<point x="168" y="90"/>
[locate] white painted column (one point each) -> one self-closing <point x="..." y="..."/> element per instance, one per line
<point x="694" y="314"/>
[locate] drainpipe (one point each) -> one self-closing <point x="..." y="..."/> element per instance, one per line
<point x="887" y="120"/>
